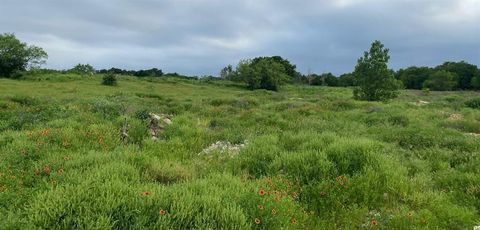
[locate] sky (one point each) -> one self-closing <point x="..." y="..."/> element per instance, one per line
<point x="199" y="37"/>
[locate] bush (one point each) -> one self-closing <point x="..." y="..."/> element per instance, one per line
<point x="109" y="79"/>
<point x="473" y="103"/>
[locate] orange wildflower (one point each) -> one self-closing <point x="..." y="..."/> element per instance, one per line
<point x="146" y="193"/>
<point x="261" y="192"/>
<point x="260" y="207"/>
<point x="162" y="212"/>
<point x="45" y="132"/>
<point x="257" y="221"/>
<point x="294" y="221"/>
<point x="374" y="223"/>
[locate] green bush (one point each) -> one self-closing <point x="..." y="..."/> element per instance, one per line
<point x="473" y="103"/>
<point x="109" y="79"/>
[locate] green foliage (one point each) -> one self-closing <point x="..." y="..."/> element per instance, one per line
<point x="18" y="56"/>
<point x="306" y="157"/>
<point x="109" y="79"/>
<point x="464" y="71"/>
<point x="473" y="103"/>
<point x="441" y="80"/>
<point x="83" y="69"/>
<point x="375" y="81"/>
<point x="327" y="79"/>
<point x="414" y="77"/>
<point x="262" y="74"/>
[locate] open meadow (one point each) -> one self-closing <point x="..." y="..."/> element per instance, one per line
<point x="305" y="157"/>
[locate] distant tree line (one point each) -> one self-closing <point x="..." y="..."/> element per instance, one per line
<point x="272" y="72"/>
<point x="154" y="72"/>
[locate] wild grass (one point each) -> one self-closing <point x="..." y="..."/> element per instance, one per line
<point x="313" y="158"/>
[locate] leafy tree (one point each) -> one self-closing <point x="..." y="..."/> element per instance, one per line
<point x="262" y="74"/>
<point x="441" y="80"/>
<point x="347" y="79"/>
<point x="476" y="81"/>
<point x="414" y="77"/>
<point x="227" y="73"/>
<point x="154" y="72"/>
<point x="83" y="69"/>
<point x="289" y="68"/>
<point x="375" y="81"/>
<point x="18" y="56"/>
<point x="464" y="71"/>
<point x="326" y="79"/>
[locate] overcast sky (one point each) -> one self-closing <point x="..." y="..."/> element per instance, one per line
<point x="199" y="37"/>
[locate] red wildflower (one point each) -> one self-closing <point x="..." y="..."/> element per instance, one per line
<point x="257" y="221"/>
<point x="162" y="212"/>
<point x="262" y="192"/>
<point x="146" y="193"/>
<point x="374" y="223"/>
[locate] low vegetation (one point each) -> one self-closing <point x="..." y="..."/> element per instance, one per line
<point x="305" y="157"/>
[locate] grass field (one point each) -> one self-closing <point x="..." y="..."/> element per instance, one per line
<point x="313" y="158"/>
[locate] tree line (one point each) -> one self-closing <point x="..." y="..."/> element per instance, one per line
<point x="371" y="79"/>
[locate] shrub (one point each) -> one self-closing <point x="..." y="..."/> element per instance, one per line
<point x="109" y="79"/>
<point x="473" y="103"/>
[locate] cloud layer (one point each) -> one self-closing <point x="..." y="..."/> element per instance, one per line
<point x="199" y="37"/>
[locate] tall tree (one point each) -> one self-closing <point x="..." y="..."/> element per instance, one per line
<point x="18" y="56"/>
<point x="375" y="81"/>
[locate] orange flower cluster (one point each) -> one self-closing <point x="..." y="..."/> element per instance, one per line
<point x="45" y="132"/>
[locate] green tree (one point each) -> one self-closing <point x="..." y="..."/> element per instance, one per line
<point x="375" y="81"/>
<point x="290" y="69"/>
<point x="441" y="80"/>
<point x="465" y="72"/>
<point x="262" y="74"/>
<point x="227" y="73"/>
<point x="414" y="77"/>
<point x="347" y="79"/>
<point x="18" y="56"/>
<point x="83" y="69"/>
<point x="326" y="79"/>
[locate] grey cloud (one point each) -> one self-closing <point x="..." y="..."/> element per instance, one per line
<point x="199" y="37"/>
